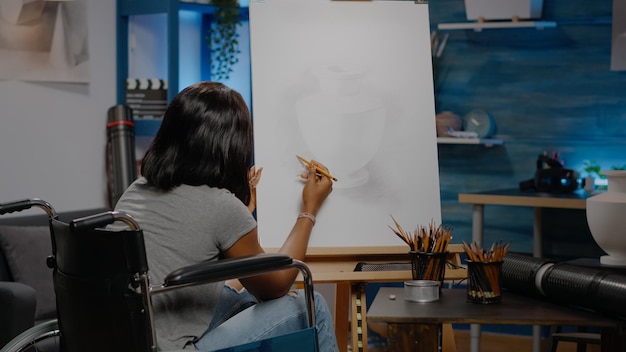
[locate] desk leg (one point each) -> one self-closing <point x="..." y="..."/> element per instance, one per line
<point x="537" y="235"/>
<point x="478" y="216"/>
<point x="475" y="331"/>
<point x="477" y="223"/>
<point x="342" y="312"/>
<point x="537" y="253"/>
<point x="358" y="325"/>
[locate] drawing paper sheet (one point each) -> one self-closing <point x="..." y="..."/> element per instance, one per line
<point x="347" y="83"/>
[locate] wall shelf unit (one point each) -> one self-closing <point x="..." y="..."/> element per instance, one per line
<point x="487" y="142"/>
<point x="126" y="9"/>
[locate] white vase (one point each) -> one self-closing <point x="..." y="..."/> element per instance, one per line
<point x="606" y="216"/>
<point x="342" y="124"/>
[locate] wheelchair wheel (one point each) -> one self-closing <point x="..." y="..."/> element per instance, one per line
<point x="43" y="337"/>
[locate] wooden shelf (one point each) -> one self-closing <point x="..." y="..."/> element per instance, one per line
<point x="454" y="140"/>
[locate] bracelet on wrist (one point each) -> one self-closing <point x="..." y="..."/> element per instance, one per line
<point x="307" y="216"/>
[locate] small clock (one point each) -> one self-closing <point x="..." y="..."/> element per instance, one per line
<point x="481" y="122"/>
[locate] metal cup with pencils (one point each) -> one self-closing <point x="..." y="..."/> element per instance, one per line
<point x="484" y="270"/>
<point x="429" y="266"/>
<point x="428" y="250"/>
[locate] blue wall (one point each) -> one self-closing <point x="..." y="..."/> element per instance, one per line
<point x="548" y="90"/>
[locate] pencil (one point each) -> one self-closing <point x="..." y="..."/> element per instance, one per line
<point x="320" y="170"/>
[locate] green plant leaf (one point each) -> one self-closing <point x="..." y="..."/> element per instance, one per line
<point x="223" y="38"/>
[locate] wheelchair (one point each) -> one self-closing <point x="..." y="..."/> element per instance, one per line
<point x="104" y="294"/>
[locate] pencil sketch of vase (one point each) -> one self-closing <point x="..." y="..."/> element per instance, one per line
<point x="342" y="125"/>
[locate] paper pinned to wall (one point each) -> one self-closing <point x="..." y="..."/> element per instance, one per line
<point x="44" y="41"/>
<point x="348" y="84"/>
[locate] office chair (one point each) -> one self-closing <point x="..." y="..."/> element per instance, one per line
<point x="104" y="293"/>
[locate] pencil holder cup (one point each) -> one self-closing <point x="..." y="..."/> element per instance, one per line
<point x="428" y="266"/>
<point x="484" y="282"/>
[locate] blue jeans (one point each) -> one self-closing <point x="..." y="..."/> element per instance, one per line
<point x="239" y="319"/>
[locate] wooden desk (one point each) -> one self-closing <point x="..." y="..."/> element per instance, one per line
<point x="417" y="326"/>
<point x="516" y="197"/>
<point x="336" y="265"/>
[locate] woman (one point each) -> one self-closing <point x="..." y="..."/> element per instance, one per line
<point x="194" y="203"/>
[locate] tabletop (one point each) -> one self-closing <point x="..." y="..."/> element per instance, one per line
<point x="516" y="197"/>
<point x="452" y="307"/>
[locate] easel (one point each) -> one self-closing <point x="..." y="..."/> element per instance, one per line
<point x="336" y="266"/>
<point x="284" y="76"/>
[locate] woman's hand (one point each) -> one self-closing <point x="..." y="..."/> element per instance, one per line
<point x="316" y="189"/>
<point x="254" y="176"/>
<point x="278" y="283"/>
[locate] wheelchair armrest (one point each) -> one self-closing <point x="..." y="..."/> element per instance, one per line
<point x="17" y="304"/>
<point x="229" y="268"/>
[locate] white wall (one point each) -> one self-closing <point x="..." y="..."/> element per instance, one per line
<point x="53" y="135"/>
